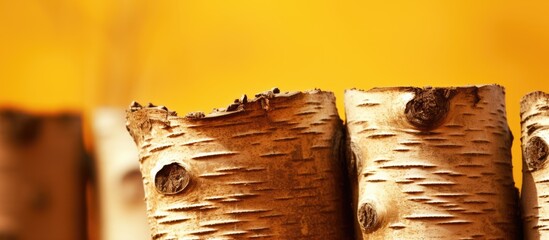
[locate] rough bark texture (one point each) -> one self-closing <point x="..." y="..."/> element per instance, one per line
<point x="265" y="168"/>
<point x="534" y="114"/>
<point x="123" y="212"/>
<point x="41" y="177"/>
<point x="432" y="163"/>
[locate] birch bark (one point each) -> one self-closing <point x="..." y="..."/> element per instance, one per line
<point x="534" y="114"/>
<point x="265" y="168"/>
<point x="431" y="163"/>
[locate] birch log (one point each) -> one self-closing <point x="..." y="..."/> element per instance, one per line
<point x="41" y="177"/>
<point x="122" y="209"/>
<point x="534" y="114"/>
<point x="265" y="168"/>
<point x="431" y="163"/>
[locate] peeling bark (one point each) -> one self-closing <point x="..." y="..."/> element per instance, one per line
<point x="432" y="163"/>
<point x="263" y="168"/>
<point x="120" y="188"/>
<point x="41" y="177"/>
<point x="534" y="114"/>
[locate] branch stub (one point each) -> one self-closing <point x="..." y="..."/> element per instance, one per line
<point x="428" y="108"/>
<point x="536" y="153"/>
<point x="171" y="179"/>
<point x="368" y="218"/>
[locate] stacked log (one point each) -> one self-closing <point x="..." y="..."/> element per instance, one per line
<point x="41" y="176"/>
<point x="431" y="163"/>
<point x="120" y="188"/>
<point x="264" y="168"/>
<point x="534" y="114"/>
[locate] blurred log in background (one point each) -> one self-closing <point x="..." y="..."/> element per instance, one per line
<point x="119" y="186"/>
<point x="42" y="164"/>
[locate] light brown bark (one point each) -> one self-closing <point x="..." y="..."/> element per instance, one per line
<point x="41" y="177"/>
<point x="122" y="209"/>
<point x="534" y="114"/>
<point x="267" y="168"/>
<point x="431" y="163"/>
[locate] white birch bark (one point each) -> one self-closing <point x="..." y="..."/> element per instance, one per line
<point x="534" y="114"/>
<point x="267" y="168"/>
<point x="432" y="163"/>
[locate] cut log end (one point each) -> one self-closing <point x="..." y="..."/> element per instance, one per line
<point x="171" y="179"/>
<point x="536" y="153"/>
<point x="368" y="218"/>
<point x="428" y="107"/>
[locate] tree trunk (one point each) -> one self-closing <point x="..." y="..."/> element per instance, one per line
<point x="122" y="209"/>
<point x="432" y="163"/>
<point x="41" y="177"/>
<point x="534" y="114"/>
<point x="268" y="168"/>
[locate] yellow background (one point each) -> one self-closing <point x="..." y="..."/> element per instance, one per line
<point x="197" y="55"/>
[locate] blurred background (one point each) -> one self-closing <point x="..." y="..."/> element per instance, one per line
<point x="86" y="56"/>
